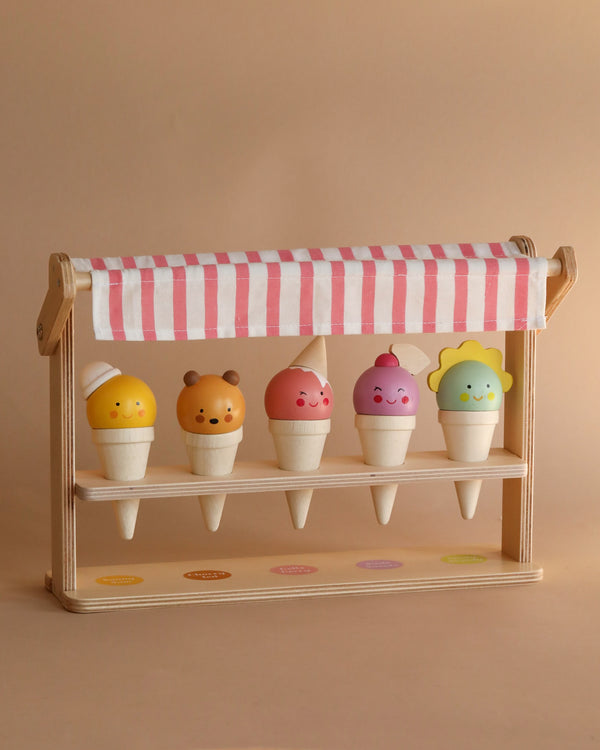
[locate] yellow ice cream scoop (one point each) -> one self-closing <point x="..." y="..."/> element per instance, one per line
<point x="114" y="400"/>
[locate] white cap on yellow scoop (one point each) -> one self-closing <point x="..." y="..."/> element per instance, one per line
<point x="94" y="374"/>
<point x="313" y="357"/>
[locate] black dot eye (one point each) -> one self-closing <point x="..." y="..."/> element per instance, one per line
<point x="201" y="411"/>
<point x="468" y="386"/>
<point x="117" y="403"/>
<point x="137" y="403"/>
<point x="229" y="408"/>
<point x="488" y="385"/>
<point x="321" y="393"/>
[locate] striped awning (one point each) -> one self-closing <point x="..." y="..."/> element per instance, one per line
<point x="468" y="287"/>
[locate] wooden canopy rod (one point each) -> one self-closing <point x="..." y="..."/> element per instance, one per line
<point x="64" y="283"/>
<point x="83" y="279"/>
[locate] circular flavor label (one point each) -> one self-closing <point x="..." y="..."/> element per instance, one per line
<point x="379" y="564"/>
<point x="294" y="570"/>
<point x="207" y="575"/>
<point x="463" y="559"/>
<point x="119" y="580"/>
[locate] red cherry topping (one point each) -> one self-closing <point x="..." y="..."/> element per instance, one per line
<point x="386" y="360"/>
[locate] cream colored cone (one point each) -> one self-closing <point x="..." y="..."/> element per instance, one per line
<point x="212" y="509"/>
<point x="124" y="452"/>
<point x="314" y="356"/>
<point x="467" y="491"/>
<point x="212" y="455"/>
<point x="468" y="436"/>
<point x="383" y="496"/>
<point x="299" y="446"/>
<point x="299" y="504"/>
<point x="384" y="441"/>
<point x="126" y="512"/>
<point x="299" y="443"/>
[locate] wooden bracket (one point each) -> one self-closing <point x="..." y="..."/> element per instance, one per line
<point x="559" y="282"/>
<point x="58" y="303"/>
<point x="525" y="245"/>
<point x="558" y="286"/>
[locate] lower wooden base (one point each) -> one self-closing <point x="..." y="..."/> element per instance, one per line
<point x="290" y="577"/>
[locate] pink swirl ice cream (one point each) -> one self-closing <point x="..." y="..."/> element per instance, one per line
<point x="386" y="389"/>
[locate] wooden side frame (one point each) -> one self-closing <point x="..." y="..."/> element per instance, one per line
<point x="62" y="463"/>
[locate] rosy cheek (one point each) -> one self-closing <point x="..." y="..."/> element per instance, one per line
<point x="405" y="399"/>
<point x="114" y="414"/>
<point x="142" y="413"/>
<point x="228" y="417"/>
<point x="199" y="418"/>
<point x="378" y="399"/>
<point x="325" y="401"/>
<point x="300" y="402"/>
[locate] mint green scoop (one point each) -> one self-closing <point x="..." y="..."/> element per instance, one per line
<point x="469" y="386"/>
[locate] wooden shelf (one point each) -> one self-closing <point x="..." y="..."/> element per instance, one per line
<point x="305" y="575"/>
<point x="265" y="476"/>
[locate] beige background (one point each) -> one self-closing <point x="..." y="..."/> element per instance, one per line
<point x="132" y="127"/>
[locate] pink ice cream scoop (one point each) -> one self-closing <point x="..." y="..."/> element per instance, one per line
<point x="386" y="389"/>
<point x="298" y="393"/>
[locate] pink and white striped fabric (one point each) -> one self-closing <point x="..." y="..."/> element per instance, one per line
<point x="310" y="291"/>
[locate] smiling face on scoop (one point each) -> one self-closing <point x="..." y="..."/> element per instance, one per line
<point x="469" y="386"/>
<point x="386" y="389"/>
<point x="211" y="404"/>
<point x="122" y="401"/>
<point x="298" y="393"/>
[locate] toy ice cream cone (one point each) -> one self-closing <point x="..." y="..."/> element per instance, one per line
<point x="126" y="512"/>
<point x="212" y="509"/>
<point x="121" y="410"/>
<point x="299" y="504"/>
<point x="386" y="398"/>
<point x="299" y="402"/>
<point x="212" y="455"/>
<point x="469" y="385"/>
<point x="468" y="434"/>
<point x="124" y="452"/>
<point x="299" y="444"/>
<point x="384" y="440"/>
<point x="211" y="410"/>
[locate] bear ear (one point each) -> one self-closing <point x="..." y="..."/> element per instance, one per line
<point x="191" y="377"/>
<point x="232" y="377"/>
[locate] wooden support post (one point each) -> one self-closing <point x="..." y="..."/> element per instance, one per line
<point x="62" y="461"/>
<point x="519" y="424"/>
